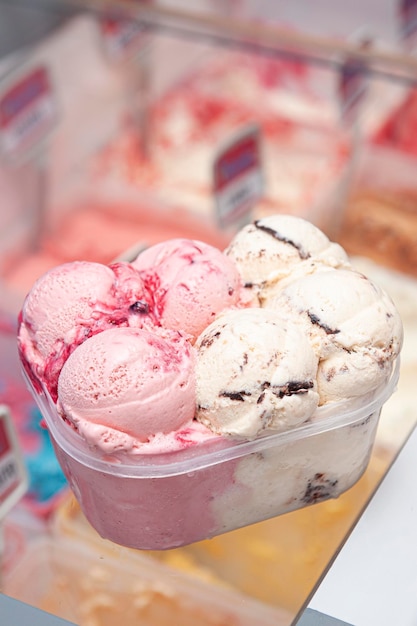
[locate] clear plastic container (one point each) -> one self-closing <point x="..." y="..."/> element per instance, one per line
<point x="277" y="561"/>
<point x="81" y="584"/>
<point x="160" y="501"/>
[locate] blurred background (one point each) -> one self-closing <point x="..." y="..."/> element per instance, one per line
<point x="113" y="116"/>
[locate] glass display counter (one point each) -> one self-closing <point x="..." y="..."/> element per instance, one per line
<point x="135" y="108"/>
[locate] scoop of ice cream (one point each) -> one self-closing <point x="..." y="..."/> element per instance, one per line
<point x="277" y="247"/>
<point x="133" y="302"/>
<point x="191" y="283"/>
<point x="256" y="371"/>
<point x="121" y="387"/>
<point x="70" y="303"/>
<point x="353" y="325"/>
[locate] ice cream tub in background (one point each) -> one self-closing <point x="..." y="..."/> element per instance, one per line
<point x="77" y="582"/>
<point x="166" y="500"/>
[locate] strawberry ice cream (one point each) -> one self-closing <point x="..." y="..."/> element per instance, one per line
<point x="71" y="302"/>
<point x="132" y="373"/>
<point x="191" y="282"/>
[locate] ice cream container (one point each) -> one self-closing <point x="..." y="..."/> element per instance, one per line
<point x="277" y="561"/>
<point x="166" y="500"/>
<point x="77" y="582"/>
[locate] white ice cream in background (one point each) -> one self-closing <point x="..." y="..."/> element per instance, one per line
<point x="281" y="247"/>
<point x="303" y="160"/>
<point x="354" y="326"/>
<point x="287" y="87"/>
<point x="250" y="377"/>
<point x="304" y="152"/>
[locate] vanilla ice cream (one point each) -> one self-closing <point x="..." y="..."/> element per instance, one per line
<point x="250" y="377"/>
<point x="278" y="247"/>
<point x="354" y="326"/>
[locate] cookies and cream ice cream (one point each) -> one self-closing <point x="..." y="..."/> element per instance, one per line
<point x="354" y="325"/>
<point x="279" y="247"/>
<point x="262" y="384"/>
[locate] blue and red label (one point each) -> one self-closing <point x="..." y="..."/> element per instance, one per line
<point x="123" y="38"/>
<point x="237" y="176"/>
<point x="28" y="113"/>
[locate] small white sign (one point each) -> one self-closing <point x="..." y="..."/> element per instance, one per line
<point x="238" y="180"/>
<point x="13" y="475"/>
<point x="28" y="113"/>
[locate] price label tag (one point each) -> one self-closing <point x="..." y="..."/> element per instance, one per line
<point x="13" y="476"/>
<point x="123" y="38"/>
<point x="238" y="177"/>
<point x="28" y="113"/>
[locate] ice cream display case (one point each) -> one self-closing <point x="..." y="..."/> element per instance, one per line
<point x="159" y="135"/>
<point x="190" y="120"/>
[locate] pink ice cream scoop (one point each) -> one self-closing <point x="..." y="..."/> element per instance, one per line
<point x="191" y="283"/>
<point x="70" y="303"/>
<point x="124" y="386"/>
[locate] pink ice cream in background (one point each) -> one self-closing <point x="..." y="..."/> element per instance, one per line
<point x="304" y="153"/>
<point x="97" y="230"/>
<point x="398" y="129"/>
<point x="191" y="283"/>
